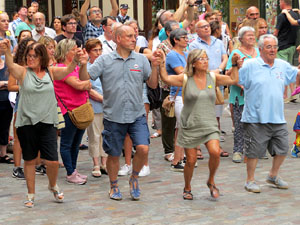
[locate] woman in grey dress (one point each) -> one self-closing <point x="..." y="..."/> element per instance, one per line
<point x="198" y="123"/>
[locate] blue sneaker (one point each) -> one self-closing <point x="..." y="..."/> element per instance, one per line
<point x="135" y="191"/>
<point x="295" y="152"/>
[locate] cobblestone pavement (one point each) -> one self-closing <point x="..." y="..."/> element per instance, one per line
<point x="161" y="201"/>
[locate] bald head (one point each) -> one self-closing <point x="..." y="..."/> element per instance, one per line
<point x="203" y="29"/>
<point x="125" y="38"/>
<point x="252" y="13"/>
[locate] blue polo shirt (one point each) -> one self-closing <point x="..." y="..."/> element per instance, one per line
<point x="263" y="90"/>
<point x="215" y="50"/>
<point x="122" y="83"/>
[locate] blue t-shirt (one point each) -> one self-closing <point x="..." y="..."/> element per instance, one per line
<point x="297" y="128"/>
<point x="173" y="60"/>
<point x="263" y="90"/>
<point x="162" y="35"/>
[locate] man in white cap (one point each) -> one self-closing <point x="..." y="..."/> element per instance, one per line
<point x="123" y="17"/>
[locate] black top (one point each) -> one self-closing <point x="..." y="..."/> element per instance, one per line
<point x="62" y="37"/>
<point x="3" y="77"/>
<point x="287" y="34"/>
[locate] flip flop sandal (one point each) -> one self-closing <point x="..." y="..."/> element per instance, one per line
<point x="6" y="159"/>
<point x="224" y="154"/>
<point x="187" y="195"/>
<point x="199" y="156"/>
<point x="214" y="191"/>
<point x="29" y="203"/>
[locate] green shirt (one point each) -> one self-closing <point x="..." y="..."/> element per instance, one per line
<point x="23" y="26"/>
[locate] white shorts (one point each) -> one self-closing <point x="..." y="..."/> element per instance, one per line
<point x="178" y="108"/>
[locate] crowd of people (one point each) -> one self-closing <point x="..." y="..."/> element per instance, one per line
<point x="86" y="60"/>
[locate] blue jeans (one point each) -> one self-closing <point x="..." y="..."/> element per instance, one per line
<point x="70" y="139"/>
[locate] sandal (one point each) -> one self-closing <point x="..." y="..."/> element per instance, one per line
<point x="155" y="135"/>
<point x="135" y="191"/>
<point x="29" y="203"/>
<point x="214" y="191"/>
<point x="187" y="195"/>
<point x="169" y="157"/>
<point x="96" y="172"/>
<point x="114" y="192"/>
<point x="58" y="195"/>
<point x="6" y="159"/>
<point x="199" y="155"/>
<point x="103" y="170"/>
<point x="223" y="153"/>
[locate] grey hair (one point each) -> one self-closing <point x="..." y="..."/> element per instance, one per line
<point x="88" y="11"/>
<point x="169" y="25"/>
<point x="243" y="30"/>
<point x="63" y="48"/>
<point x="176" y="34"/>
<point x="129" y="22"/>
<point x="261" y="41"/>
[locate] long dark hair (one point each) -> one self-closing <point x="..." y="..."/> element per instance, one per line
<point x="19" y="56"/>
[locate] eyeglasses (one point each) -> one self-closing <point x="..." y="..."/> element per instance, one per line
<point x="96" y="12"/>
<point x="202" y="59"/>
<point x="204" y="26"/>
<point x="32" y="56"/>
<point x="185" y="38"/>
<point x="72" y="23"/>
<point x="97" y="50"/>
<point x="269" y="47"/>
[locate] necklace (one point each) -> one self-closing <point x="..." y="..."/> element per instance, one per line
<point x="246" y="52"/>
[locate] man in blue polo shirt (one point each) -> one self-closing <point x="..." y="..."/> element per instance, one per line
<point x="263" y="79"/>
<point x="122" y="74"/>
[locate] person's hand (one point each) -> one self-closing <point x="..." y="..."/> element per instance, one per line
<point x="191" y="2"/>
<point x="84" y="57"/>
<point x="157" y="57"/>
<point x="285" y="11"/>
<point x="4" y="46"/>
<point x="235" y="58"/>
<point x="89" y="87"/>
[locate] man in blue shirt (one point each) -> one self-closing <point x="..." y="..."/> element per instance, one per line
<point x="123" y="17"/>
<point x="122" y="74"/>
<point x="90" y="19"/>
<point x="263" y="79"/>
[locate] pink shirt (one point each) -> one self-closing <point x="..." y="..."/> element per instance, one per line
<point x="71" y="97"/>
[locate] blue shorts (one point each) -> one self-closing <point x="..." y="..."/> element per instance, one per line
<point x="114" y="135"/>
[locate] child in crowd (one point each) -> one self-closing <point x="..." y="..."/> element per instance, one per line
<point x="295" y="150"/>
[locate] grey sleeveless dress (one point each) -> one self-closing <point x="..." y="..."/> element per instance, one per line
<point x="37" y="102"/>
<point x="198" y="122"/>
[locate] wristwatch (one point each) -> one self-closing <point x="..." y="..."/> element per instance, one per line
<point x="220" y="70"/>
<point x="234" y="65"/>
<point x="191" y="5"/>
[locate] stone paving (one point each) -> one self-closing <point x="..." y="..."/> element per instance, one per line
<point x="161" y="201"/>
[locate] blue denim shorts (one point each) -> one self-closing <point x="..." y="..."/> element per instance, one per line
<point x="114" y="135"/>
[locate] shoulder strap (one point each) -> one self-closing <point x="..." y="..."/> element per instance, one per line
<point x="213" y="76"/>
<point x="185" y="78"/>
<point x="47" y="71"/>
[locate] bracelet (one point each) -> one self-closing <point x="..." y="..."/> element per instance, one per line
<point x="191" y="5"/>
<point x="234" y="65"/>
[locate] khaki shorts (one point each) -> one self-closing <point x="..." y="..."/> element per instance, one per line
<point x="260" y="137"/>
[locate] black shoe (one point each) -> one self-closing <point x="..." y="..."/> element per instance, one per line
<point x="178" y="167"/>
<point x="41" y="170"/>
<point x="18" y="173"/>
<point x="83" y="147"/>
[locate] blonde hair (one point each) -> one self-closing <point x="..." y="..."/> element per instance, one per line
<point x="192" y="58"/>
<point x="46" y="40"/>
<point x="63" y="48"/>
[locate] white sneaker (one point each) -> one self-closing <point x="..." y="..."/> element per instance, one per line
<point x="125" y="170"/>
<point x="145" y="171"/>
